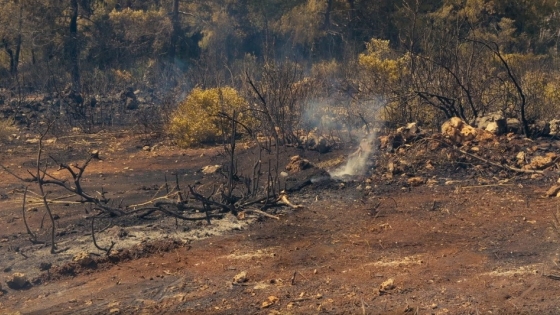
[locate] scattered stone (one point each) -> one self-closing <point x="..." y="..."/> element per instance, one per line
<point x="18" y="281"/>
<point x="542" y="162"/>
<point x="95" y="154"/>
<point x="146" y="148"/>
<point x="416" y="181"/>
<point x="521" y="158"/>
<point x="554" y="127"/>
<point x="84" y="259"/>
<point x="211" y="169"/>
<point x="270" y="301"/>
<point x="457" y="130"/>
<point x="431" y="182"/>
<point x="391" y="142"/>
<point x="494" y="123"/>
<point x="410" y="132"/>
<point x="240" y="277"/>
<point x="387" y="285"/>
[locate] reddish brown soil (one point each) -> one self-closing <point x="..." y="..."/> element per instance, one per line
<point x="456" y="249"/>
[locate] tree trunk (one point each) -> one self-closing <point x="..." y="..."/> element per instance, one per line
<point x="74" y="48"/>
<point x="14" y="66"/>
<point x="10" y="53"/>
<point x="327" y="22"/>
<point x="175" y="32"/>
<point x="14" y="69"/>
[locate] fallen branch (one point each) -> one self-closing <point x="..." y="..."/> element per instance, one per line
<point x="553" y="277"/>
<point x="262" y="213"/>
<point x="514" y="169"/>
<point x="284" y="199"/>
<point x="510" y="168"/>
<point x="150" y="210"/>
<point x="483" y="186"/>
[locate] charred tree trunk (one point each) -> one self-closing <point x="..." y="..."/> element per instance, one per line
<point x="327" y="21"/>
<point x="14" y="66"/>
<point x="175" y="32"/>
<point x="74" y="48"/>
<point x="14" y="55"/>
<point x="10" y="53"/>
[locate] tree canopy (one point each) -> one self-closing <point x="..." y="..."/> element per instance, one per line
<point x="458" y="57"/>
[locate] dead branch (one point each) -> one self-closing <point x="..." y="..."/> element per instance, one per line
<point x="514" y="169"/>
<point x="77" y="189"/>
<point x="257" y="211"/>
<point x="506" y="167"/>
<point x="150" y="210"/>
<point x="205" y="200"/>
<point x="41" y="181"/>
<point x="106" y="250"/>
<point x="284" y="199"/>
<point x="33" y="238"/>
<point x="14" y="175"/>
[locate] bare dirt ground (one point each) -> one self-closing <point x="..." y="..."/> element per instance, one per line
<point x="471" y="241"/>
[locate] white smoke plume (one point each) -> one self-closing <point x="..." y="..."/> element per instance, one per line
<point x="358" y="161"/>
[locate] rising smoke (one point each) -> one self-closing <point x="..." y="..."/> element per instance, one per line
<point x="325" y="116"/>
<point x="358" y="161"/>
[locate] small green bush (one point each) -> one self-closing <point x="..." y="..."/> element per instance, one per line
<point x="196" y="120"/>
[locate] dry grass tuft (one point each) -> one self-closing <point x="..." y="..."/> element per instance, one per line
<point x="7" y="128"/>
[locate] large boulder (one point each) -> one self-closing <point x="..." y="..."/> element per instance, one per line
<point x="459" y="131"/>
<point x="542" y="162"/>
<point x="494" y="123"/>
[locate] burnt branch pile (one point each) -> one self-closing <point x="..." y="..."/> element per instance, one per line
<point x="62" y="182"/>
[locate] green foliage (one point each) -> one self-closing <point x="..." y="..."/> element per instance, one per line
<point x="378" y="62"/>
<point x="197" y="118"/>
<point x="445" y="50"/>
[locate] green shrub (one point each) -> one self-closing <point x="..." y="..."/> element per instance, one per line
<point x="196" y="120"/>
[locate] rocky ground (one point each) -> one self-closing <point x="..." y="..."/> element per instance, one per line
<point x="461" y="222"/>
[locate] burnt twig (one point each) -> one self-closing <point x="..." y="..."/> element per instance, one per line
<point x="106" y="250"/>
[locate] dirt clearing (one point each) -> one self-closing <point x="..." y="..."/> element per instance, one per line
<point x="367" y="245"/>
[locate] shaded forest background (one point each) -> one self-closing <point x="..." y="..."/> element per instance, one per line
<point x="296" y="63"/>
